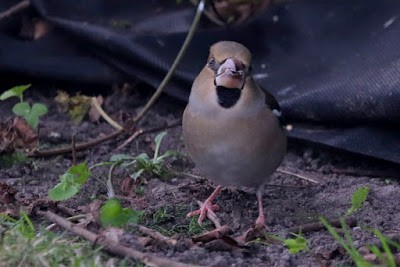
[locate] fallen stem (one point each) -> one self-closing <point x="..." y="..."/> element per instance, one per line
<point x="189" y="37"/>
<point x="104" y="115"/>
<point x="110" y="245"/>
<point x="297" y="175"/>
<point x="317" y="226"/>
<point x="156" y="235"/>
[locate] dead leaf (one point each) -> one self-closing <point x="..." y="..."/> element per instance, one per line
<point x="16" y="134"/>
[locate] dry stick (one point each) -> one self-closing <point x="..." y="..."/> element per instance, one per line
<point x="297" y="175"/>
<point x="130" y="139"/>
<point x="177" y="60"/>
<point x="314" y="227"/>
<point x="104" y="115"/>
<point x="15" y="9"/>
<point x="79" y="147"/>
<point x="73" y="150"/>
<point x="156" y="235"/>
<point x="111" y="246"/>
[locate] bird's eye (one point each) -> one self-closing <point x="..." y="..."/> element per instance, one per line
<point x="212" y="63"/>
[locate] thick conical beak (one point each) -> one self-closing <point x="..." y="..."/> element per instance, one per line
<point x="231" y="74"/>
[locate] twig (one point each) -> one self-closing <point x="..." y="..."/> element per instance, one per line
<point x="190" y="175"/>
<point x="139" y="132"/>
<point x="15" y="9"/>
<point x="111" y="246"/>
<point x="156" y="235"/>
<point x="79" y="147"/>
<point x="317" y="226"/>
<point x="157" y="93"/>
<point x="104" y="114"/>
<point x="130" y="139"/>
<point x="110" y="189"/>
<point x="297" y="175"/>
<point x="213" y="234"/>
<point x="72" y="218"/>
<point x="73" y="150"/>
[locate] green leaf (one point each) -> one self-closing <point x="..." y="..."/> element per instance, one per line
<point x="32" y="120"/>
<point x="113" y="215"/>
<point x="121" y="157"/>
<point x="25" y="226"/>
<point x="21" y="109"/>
<point x="70" y="182"/>
<point x="157" y="141"/>
<point x="297" y="244"/>
<point x="17" y="91"/>
<point x="137" y="174"/>
<point x="358" y="199"/>
<point x="39" y="109"/>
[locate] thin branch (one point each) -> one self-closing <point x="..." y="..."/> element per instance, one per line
<point x="297" y="175"/>
<point x="112" y="246"/>
<point x="317" y="226"/>
<point x="79" y="147"/>
<point x="14" y="9"/>
<point x="177" y="60"/>
<point x="156" y="235"/>
<point x="104" y="114"/>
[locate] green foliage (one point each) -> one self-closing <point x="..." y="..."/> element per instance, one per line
<point x="346" y="243"/>
<point x="22" y="245"/>
<point x="7" y="161"/>
<point x="144" y="163"/>
<point x="112" y="214"/>
<point x="16" y="91"/>
<point x="387" y="257"/>
<point x="71" y="182"/>
<point x="161" y="215"/>
<point x="297" y="244"/>
<point x="358" y="199"/>
<point x="30" y="114"/>
<point x="23" y="109"/>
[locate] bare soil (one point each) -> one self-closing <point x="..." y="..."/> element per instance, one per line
<point x="289" y="201"/>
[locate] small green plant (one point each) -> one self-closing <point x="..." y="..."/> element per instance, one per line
<point x="23" y="109"/>
<point x="195" y="229"/>
<point x="358" y="199"/>
<point x="386" y="256"/>
<point x="143" y="163"/>
<point x="297" y="244"/>
<point x="161" y="215"/>
<point x="71" y="182"/>
<point x="112" y="214"/>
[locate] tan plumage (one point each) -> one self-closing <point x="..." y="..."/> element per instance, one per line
<point x="239" y="144"/>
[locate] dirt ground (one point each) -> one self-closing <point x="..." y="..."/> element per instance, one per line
<point x="289" y="201"/>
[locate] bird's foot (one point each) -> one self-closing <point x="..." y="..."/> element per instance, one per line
<point x="260" y="223"/>
<point x="206" y="207"/>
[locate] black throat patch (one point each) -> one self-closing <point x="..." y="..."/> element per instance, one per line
<point x="228" y="97"/>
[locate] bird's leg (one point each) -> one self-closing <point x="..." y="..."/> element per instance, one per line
<point x="260" y="222"/>
<point x="207" y="206"/>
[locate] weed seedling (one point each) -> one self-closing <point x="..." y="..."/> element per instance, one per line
<point x="358" y="199"/>
<point x="23" y="109"/>
<point x="295" y="245"/>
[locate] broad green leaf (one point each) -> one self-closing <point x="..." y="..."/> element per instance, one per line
<point x="63" y="191"/>
<point x="21" y="109"/>
<point x="113" y="215"/>
<point x="70" y="182"/>
<point x="39" y="109"/>
<point x="32" y="120"/>
<point x="17" y="91"/>
<point x="358" y="199"/>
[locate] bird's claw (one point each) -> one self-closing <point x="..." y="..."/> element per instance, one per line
<point x="205" y="208"/>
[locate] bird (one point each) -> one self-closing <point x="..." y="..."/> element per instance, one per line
<point x="232" y="128"/>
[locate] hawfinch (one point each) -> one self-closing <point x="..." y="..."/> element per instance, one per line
<point x="232" y="128"/>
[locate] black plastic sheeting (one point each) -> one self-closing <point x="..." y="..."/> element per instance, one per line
<point x="334" y="66"/>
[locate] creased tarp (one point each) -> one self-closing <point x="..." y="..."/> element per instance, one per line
<point x="334" y="66"/>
